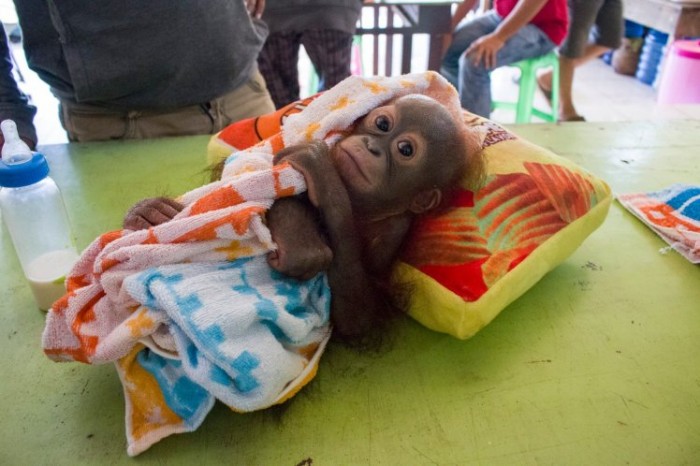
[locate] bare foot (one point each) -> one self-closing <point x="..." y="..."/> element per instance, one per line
<point x="544" y="83"/>
<point x="572" y="117"/>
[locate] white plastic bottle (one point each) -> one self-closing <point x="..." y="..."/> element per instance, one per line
<point x="35" y="216"/>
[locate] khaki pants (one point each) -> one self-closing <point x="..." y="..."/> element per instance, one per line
<point x="92" y="123"/>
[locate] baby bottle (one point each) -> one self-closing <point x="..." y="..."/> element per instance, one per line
<point x="36" y="218"/>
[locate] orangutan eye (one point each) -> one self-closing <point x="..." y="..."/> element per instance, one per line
<point x="382" y="123"/>
<point x="405" y="148"/>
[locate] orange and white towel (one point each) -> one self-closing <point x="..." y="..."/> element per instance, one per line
<point x="189" y="310"/>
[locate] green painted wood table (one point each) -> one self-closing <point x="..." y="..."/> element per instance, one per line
<point x="598" y="364"/>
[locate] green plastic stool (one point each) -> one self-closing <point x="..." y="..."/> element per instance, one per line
<point x="524" y="107"/>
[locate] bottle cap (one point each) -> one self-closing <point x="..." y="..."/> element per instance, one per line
<point x="25" y="173"/>
<point x="14" y="150"/>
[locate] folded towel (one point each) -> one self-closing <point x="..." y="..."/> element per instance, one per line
<point x="673" y="213"/>
<point x="189" y="310"/>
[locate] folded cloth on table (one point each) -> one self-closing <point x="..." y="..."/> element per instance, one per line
<point x="189" y="310"/>
<point x="673" y="213"/>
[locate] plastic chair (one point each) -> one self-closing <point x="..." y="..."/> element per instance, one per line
<point x="524" y="107"/>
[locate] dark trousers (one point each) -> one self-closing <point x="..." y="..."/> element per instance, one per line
<point x="329" y="51"/>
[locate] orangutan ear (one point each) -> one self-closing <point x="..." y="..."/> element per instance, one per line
<point x="425" y="200"/>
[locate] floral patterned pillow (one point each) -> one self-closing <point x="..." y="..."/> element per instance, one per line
<point x="533" y="210"/>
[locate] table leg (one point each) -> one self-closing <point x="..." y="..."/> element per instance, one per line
<point x="437" y="21"/>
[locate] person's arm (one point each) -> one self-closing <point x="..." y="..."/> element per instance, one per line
<point x="462" y="9"/>
<point x="486" y="47"/>
<point x="460" y="12"/>
<point x="521" y="15"/>
<point x="14" y="105"/>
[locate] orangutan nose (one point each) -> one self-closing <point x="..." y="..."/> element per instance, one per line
<point x="372" y="146"/>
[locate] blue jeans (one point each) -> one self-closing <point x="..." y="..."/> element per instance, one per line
<point x="473" y="81"/>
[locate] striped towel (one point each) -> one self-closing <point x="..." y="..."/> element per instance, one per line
<point x="673" y="214"/>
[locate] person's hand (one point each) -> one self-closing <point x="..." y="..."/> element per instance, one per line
<point x="255" y="8"/>
<point x="151" y="212"/>
<point x="484" y="50"/>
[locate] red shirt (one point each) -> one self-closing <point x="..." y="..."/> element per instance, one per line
<point x="552" y="19"/>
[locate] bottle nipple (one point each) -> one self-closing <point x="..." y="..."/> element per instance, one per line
<point x="15" y="150"/>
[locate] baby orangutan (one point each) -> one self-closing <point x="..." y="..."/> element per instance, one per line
<point x="401" y="160"/>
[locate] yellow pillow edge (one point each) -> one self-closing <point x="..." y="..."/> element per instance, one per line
<point x="439" y="309"/>
<point x="509" y="156"/>
<point x="217" y="149"/>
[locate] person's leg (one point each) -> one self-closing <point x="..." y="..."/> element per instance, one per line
<point x="576" y="50"/>
<point x="330" y="51"/>
<point x="250" y="100"/>
<point x="582" y="15"/>
<point x="85" y="122"/>
<point x="567" y="67"/>
<point x="566" y="109"/>
<point x="474" y="82"/>
<point x="462" y="38"/>
<point x="605" y="35"/>
<point x="278" y="64"/>
<point x="608" y="30"/>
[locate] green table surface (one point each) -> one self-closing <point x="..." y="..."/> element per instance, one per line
<point x="598" y="364"/>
